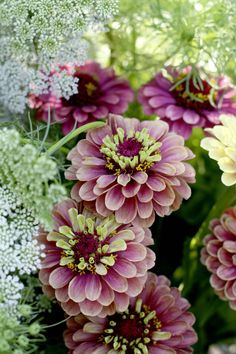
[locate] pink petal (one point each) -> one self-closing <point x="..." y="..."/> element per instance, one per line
<point x="76" y="289"/>
<point x="174" y="112"/>
<point x="145" y="194"/>
<point x="115" y="281"/>
<point x="226" y="273"/>
<point x="191" y="117"/>
<point x="135" y="252"/>
<point x="93" y="287"/>
<point x="90" y="308"/>
<point x="86" y="191"/>
<point x="114" y="198"/>
<point x="105" y="180"/>
<point x="107" y="295"/>
<point x="127" y="212"/>
<point x="121" y="302"/>
<point x="155" y="183"/>
<point x="131" y="189"/>
<point x="145" y="209"/>
<point x="123" y="179"/>
<point x="60" y="277"/>
<point x="125" y="268"/>
<point x="140" y="177"/>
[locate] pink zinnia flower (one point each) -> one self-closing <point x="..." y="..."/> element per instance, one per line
<point x="131" y="168"/>
<point x="187" y="104"/>
<point x="93" y="265"/>
<point x="156" y="322"/>
<point x="219" y="256"/>
<point x="100" y="92"/>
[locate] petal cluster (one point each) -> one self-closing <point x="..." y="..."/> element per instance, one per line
<point x="219" y="256"/>
<point x="222" y="148"/>
<point x="100" y="92"/>
<point x="157" y="321"/>
<point x="134" y="169"/>
<point x="186" y="103"/>
<point x="93" y="265"/>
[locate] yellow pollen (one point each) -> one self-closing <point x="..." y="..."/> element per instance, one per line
<point x="90" y="88"/>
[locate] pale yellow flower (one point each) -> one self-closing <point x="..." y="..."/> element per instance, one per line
<point x="221" y="146"/>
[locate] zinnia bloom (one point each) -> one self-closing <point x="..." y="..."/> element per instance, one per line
<point x="100" y="92"/>
<point x="131" y="168"/>
<point x="219" y="256"/>
<point x="93" y="265"/>
<point x="157" y="321"/>
<point x="187" y="103"/>
<point x="222" y="148"/>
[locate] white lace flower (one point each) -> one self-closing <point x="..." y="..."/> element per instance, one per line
<point x="221" y="146"/>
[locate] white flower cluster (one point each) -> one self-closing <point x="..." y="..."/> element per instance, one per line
<point x="20" y="251"/>
<point x="29" y="175"/>
<point x="44" y="34"/>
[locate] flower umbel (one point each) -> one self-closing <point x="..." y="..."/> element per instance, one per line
<point x="184" y="100"/>
<point x="219" y="255"/>
<point x="93" y="264"/>
<point x="99" y="92"/>
<point x="29" y="175"/>
<point x="131" y="168"/>
<point x="221" y="147"/>
<point x="147" y="326"/>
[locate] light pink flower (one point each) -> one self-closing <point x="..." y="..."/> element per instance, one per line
<point x="219" y="256"/>
<point x="156" y="322"/>
<point x="190" y="103"/>
<point x="133" y="169"/>
<point x="93" y="265"/>
<point x="100" y="92"/>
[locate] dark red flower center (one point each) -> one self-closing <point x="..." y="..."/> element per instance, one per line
<point x="85" y="246"/>
<point x="88" y="91"/>
<point x="130" y="147"/>
<point x="193" y="95"/>
<point x="132" y="330"/>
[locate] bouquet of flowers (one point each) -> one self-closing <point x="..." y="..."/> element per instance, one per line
<point x="117" y="177"/>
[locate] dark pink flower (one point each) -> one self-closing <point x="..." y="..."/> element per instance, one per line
<point x="100" y="92"/>
<point x="156" y="322"/>
<point x="219" y="256"/>
<point x="93" y="265"/>
<point x="187" y="103"/>
<point x="133" y="169"/>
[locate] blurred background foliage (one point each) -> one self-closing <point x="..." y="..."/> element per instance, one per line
<point x="143" y="38"/>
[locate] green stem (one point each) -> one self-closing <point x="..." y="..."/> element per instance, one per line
<point x="226" y="198"/>
<point x="72" y="135"/>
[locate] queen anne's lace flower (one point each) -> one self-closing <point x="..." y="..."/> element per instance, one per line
<point x="221" y="147"/>
<point x="94" y="265"/>
<point x="219" y="256"/>
<point x="131" y="168"/>
<point x="20" y="252"/>
<point x="28" y="174"/>
<point x="184" y="102"/>
<point x="157" y="321"/>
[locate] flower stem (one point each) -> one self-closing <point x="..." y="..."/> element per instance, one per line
<point x="225" y="200"/>
<point x="72" y="135"/>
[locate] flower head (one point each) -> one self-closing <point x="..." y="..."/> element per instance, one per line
<point x="157" y="321"/>
<point x="92" y="264"/>
<point x="185" y="102"/>
<point x="28" y="175"/>
<point x="222" y="148"/>
<point x="132" y="168"/>
<point x="100" y="92"/>
<point x="219" y="256"/>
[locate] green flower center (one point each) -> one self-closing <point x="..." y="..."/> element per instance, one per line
<point x="134" y="330"/>
<point x="137" y="151"/>
<point x="86" y="247"/>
